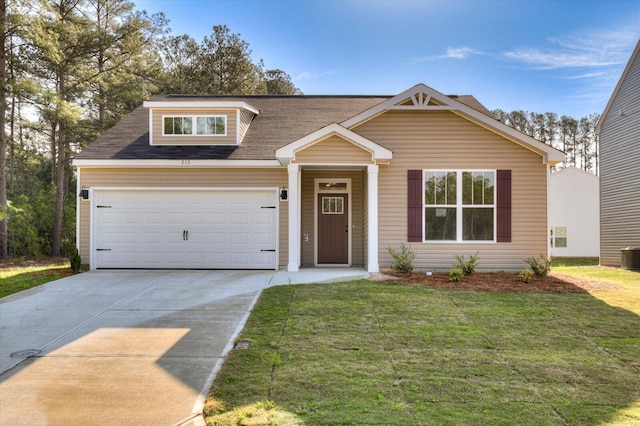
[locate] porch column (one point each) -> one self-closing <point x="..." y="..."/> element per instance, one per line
<point x="372" y="230"/>
<point x="294" y="218"/>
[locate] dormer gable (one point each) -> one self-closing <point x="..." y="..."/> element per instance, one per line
<point x="198" y="120"/>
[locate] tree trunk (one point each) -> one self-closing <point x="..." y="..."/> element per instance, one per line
<point x="3" y="136"/>
<point x="60" y="164"/>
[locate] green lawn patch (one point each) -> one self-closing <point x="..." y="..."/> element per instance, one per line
<point x="17" y="278"/>
<point x="384" y="354"/>
<point x="627" y="295"/>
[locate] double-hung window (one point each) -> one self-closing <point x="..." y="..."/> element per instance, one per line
<point x="459" y="205"/>
<point x="559" y="236"/>
<point x="205" y="125"/>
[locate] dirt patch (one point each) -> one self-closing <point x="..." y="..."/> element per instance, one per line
<point x="500" y="282"/>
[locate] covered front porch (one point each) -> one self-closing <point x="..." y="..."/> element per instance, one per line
<point x="333" y="199"/>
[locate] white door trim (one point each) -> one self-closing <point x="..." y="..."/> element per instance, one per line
<point x="317" y="191"/>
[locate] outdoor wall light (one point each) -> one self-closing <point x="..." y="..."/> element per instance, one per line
<point x="84" y="193"/>
<point x="284" y="195"/>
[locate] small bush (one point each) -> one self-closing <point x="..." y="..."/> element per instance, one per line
<point x="525" y="275"/>
<point x="467" y="267"/>
<point x="456" y="274"/>
<point x="75" y="261"/>
<point x="403" y="260"/>
<point x="541" y="266"/>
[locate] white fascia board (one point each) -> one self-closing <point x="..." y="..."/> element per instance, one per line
<point x="201" y="104"/>
<point x="391" y="103"/>
<point x="378" y="152"/>
<point x="181" y="163"/>
<point x="549" y="154"/>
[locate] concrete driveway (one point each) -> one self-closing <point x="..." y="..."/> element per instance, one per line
<point x="125" y="347"/>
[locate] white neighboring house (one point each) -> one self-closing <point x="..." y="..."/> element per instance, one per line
<point x="574" y="220"/>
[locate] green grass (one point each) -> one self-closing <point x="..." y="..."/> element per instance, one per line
<point x="378" y="353"/>
<point x="628" y="294"/>
<point x="19" y="278"/>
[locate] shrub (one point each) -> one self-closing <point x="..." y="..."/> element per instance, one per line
<point x="403" y="260"/>
<point x="525" y="275"/>
<point x="467" y="267"/>
<point x="456" y="274"/>
<point x="541" y="266"/>
<point x="75" y="261"/>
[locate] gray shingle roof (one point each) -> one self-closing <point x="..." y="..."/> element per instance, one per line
<point x="282" y="120"/>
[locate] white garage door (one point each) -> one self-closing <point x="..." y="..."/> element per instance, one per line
<point x="185" y="229"/>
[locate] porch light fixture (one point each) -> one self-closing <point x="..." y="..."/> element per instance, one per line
<point x="84" y="193"/>
<point x="284" y="195"/>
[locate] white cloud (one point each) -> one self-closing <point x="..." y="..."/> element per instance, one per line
<point x="460" y="52"/>
<point x="452" y="53"/>
<point x="586" y="75"/>
<point x="579" y="51"/>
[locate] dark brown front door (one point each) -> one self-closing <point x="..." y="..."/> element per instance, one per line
<point x="333" y="228"/>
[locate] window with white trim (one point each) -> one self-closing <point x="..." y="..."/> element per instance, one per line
<point x="205" y="125"/>
<point x="459" y="205"/>
<point x="332" y="205"/>
<point x="559" y="236"/>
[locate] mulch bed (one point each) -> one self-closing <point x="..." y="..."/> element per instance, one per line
<point x="500" y="282"/>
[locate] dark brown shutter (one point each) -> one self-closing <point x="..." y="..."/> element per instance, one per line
<point x="415" y="207"/>
<point x="503" y="203"/>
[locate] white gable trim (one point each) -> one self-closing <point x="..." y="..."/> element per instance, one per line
<point x="420" y="96"/>
<point x="201" y="104"/>
<point x="550" y="155"/>
<point x="379" y="153"/>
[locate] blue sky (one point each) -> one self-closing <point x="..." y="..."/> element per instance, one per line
<point x="560" y="56"/>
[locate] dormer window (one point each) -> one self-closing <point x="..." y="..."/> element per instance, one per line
<point x="177" y="120"/>
<point x="206" y="125"/>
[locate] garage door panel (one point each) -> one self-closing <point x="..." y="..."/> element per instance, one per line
<point x="146" y="229"/>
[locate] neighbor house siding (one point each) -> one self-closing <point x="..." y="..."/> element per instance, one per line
<point x="443" y="140"/>
<point x="308" y="213"/>
<point x="187" y="178"/>
<point x="157" y="126"/>
<point x="334" y="150"/>
<point x="574" y="205"/>
<point x="620" y="169"/>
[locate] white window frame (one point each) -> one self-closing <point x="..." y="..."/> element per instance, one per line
<point x="459" y="206"/>
<point x="335" y="205"/>
<point x="194" y="125"/>
<point x="554" y="236"/>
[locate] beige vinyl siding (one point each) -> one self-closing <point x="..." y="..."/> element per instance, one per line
<point x="443" y="140"/>
<point x="620" y="170"/>
<point x="187" y="178"/>
<point x="333" y="150"/>
<point x="308" y="213"/>
<point x="157" y="127"/>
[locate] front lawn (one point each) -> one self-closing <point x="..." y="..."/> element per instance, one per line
<point x="627" y="292"/>
<point x="378" y="353"/>
<point x="16" y="276"/>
